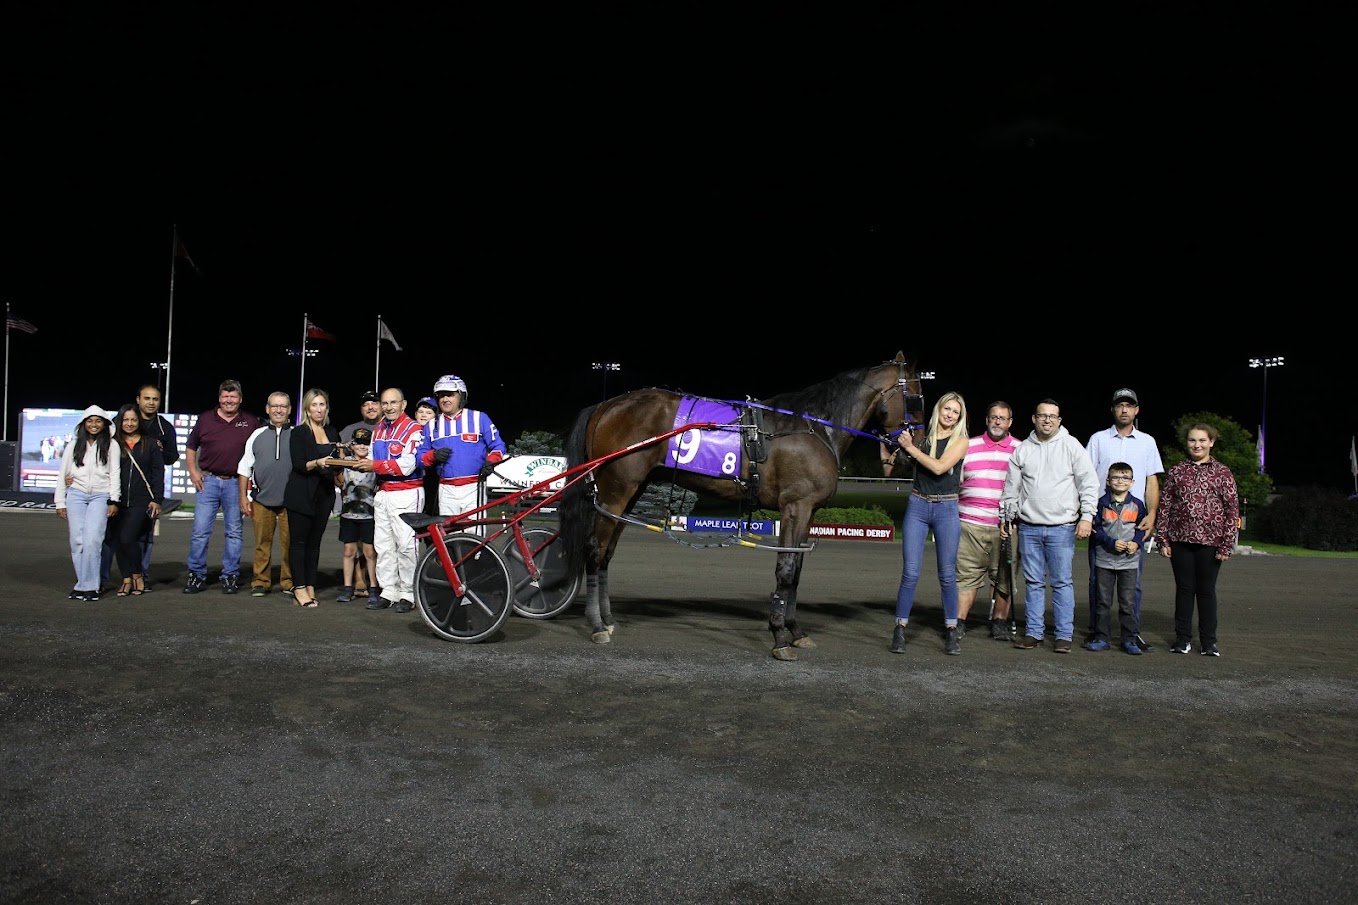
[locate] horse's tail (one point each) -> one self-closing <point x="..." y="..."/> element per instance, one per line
<point x="577" y="501"/>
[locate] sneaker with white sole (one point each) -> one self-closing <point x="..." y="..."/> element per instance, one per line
<point x="195" y="583"/>
<point x="1180" y="647"/>
<point x="1210" y="650"/>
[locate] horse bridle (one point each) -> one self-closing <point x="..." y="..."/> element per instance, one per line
<point x="902" y="385"/>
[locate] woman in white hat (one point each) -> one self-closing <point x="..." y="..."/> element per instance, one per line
<point x="89" y="487"/>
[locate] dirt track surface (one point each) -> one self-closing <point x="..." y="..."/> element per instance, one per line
<point x="214" y="749"/>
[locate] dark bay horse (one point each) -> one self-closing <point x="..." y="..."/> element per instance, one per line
<point x="781" y="453"/>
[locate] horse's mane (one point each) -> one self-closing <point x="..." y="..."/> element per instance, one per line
<point x="829" y="399"/>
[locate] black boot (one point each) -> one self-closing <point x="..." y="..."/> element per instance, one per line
<point x="898" y="640"/>
<point x="952" y="641"/>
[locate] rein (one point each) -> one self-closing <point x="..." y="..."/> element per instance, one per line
<point x="886" y="437"/>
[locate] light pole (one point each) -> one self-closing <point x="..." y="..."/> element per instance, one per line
<point x="160" y="367"/>
<point x="605" y="367"/>
<point x="1265" y="363"/>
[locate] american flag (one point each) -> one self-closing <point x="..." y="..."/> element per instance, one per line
<point x="18" y="323"/>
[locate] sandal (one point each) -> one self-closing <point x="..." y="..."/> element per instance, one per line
<point x="309" y="603"/>
<point x="138" y="587"/>
<point x="126" y="588"/>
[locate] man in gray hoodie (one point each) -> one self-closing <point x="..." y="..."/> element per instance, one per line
<point x="1051" y="491"/>
<point x="263" y="474"/>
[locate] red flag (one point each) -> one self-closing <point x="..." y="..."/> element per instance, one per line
<point x="315" y="332"/>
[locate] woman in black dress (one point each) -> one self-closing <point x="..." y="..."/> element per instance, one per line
<point x="143" y="480"/>
<point x="310" y="494"/>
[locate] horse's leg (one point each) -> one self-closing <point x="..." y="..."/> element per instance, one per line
<point x="799" y="638"/>
<point x="785" y="574"/>
<point x="596" y="625"/>
<point x="605" y="604"/>
<point x="598" y="607"/>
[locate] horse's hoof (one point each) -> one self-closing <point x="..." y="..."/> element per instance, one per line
<point x="601" y="637"/>
<point x="786" y="654"/>
<point x="610" y="629"/>
<point x="805" y="643"/>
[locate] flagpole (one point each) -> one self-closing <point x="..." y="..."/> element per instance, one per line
<point x="7" y="373"/>
<point x="169" y="330"/>
<point x="301" y="387"/>
<point x="377" y="368"/>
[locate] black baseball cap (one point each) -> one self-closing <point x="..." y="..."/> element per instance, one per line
<point x="368" y="396"/>
<point x="363" y="435"/>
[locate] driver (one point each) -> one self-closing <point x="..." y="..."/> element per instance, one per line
<point x="463" y="445"/>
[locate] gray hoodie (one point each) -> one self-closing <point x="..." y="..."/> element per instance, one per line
<point x="1051" y="483"/>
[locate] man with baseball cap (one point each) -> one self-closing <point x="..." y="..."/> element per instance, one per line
<point x="1124" y="442"/>
<point x="369" y="409"/>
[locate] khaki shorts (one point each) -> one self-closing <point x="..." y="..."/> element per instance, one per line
<point x="978" y="559"/>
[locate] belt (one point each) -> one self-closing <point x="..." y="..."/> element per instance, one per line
<point x="935" y="497"/>
<point x="224" y="477"/>
<point x="1036" y="525"/>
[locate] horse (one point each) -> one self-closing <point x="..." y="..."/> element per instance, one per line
<point x="782" y="453"/>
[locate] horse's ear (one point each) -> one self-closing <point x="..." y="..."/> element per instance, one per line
<point x="900" y="358"/>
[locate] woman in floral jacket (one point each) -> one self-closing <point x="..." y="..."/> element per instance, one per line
<point x="1197" y="529"/>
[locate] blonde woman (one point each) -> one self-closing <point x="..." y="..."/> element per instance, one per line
<point x="310" y="493"/>
<point x="933" y="507"/>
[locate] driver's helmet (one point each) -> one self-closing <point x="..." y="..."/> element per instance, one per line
<point x="450" y="383"/>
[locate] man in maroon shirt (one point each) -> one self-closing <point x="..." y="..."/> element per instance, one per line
<point x="214" y="451"/>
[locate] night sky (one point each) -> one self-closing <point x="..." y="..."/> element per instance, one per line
<point x="1021" y="225"/>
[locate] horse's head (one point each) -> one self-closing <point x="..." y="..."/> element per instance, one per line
<point x="900" y="400"/>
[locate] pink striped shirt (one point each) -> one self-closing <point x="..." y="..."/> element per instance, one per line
<point x="983" y="470"/>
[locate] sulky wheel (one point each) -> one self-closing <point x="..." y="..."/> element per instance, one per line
<point x="484" y="606"/>
<point x="555" y="590"/>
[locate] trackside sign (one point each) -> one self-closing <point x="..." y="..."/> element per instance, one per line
<point x="830" y="532"/>
<point x="854" y="532"/>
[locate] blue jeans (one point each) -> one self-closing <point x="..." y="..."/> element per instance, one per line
<point x="87" y="521"/>
<point x="1048" y="552"/>
<point x="224" y="494"/>
<point x="920" y="516"/>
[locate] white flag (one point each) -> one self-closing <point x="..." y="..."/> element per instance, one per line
<point x="384" y="332"/>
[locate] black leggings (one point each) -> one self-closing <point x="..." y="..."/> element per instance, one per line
<point x="1195" y="575"/>
<point x="306" y="530"/>
<point x="129" y="530"/>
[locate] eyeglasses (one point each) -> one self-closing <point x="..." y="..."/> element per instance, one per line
<point x="278" y="405"/>
<point x="998" y="419"/>
<point x="1120" y="477"/>
<point x="1047" y="417"/>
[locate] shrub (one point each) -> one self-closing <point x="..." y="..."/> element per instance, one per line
<point x="1317" y="518"/>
